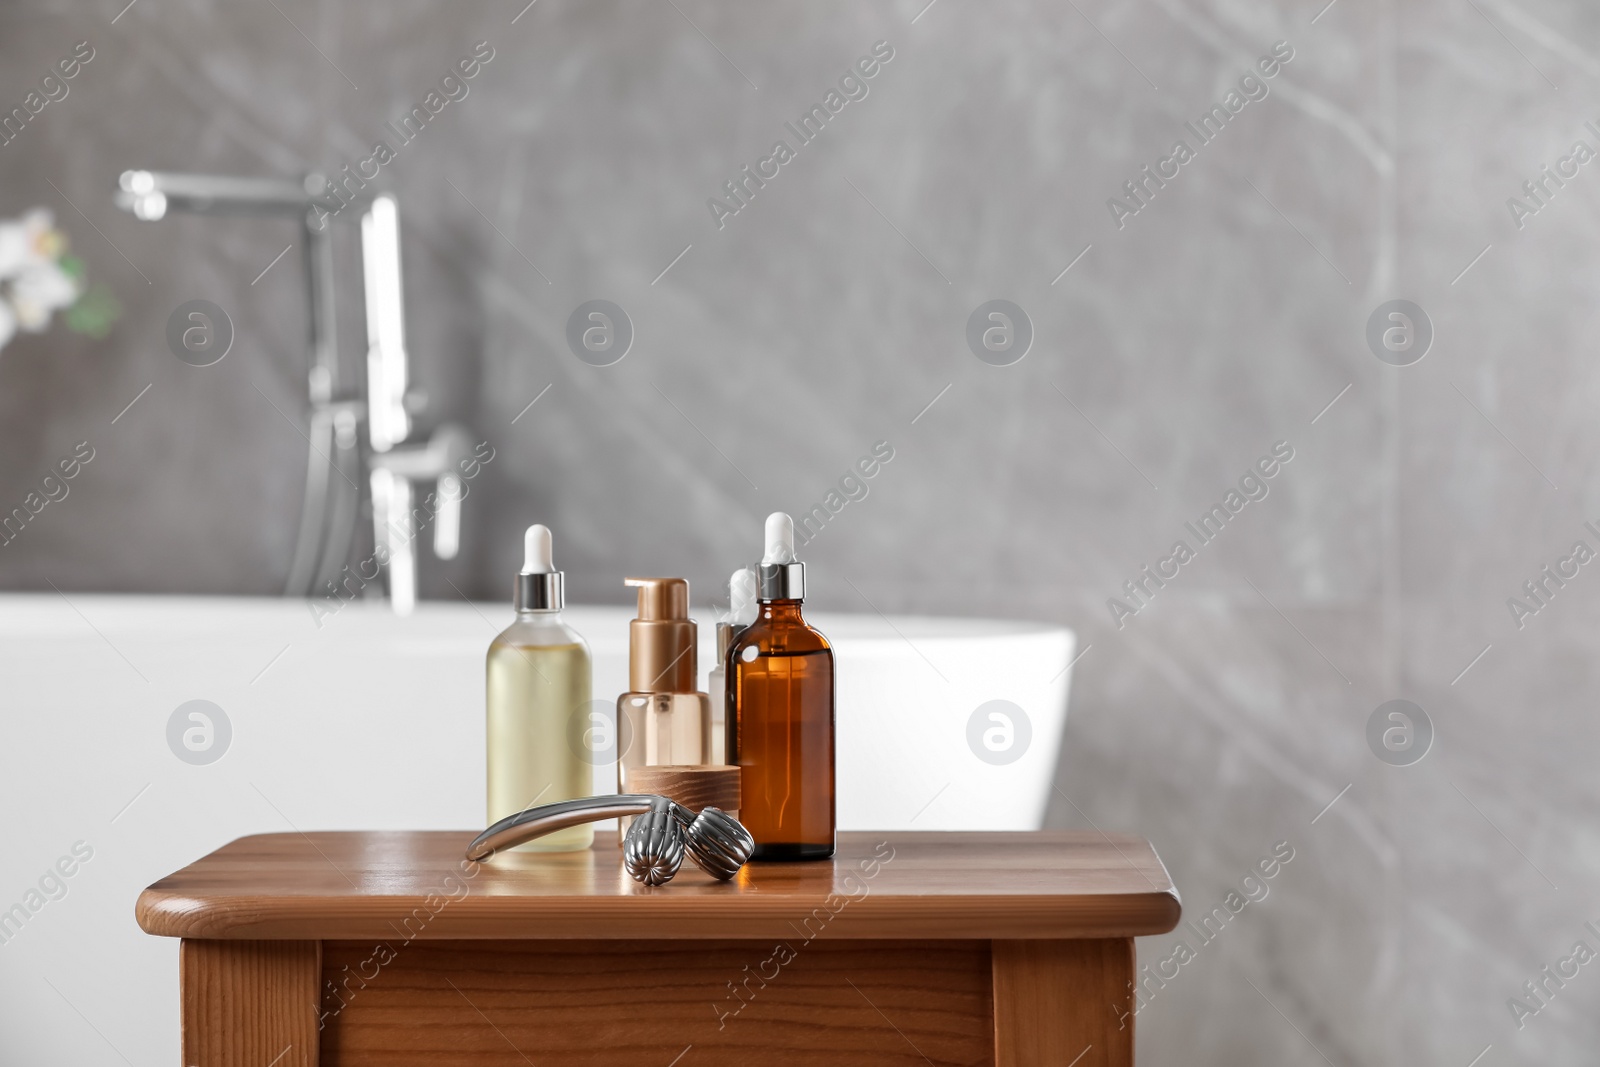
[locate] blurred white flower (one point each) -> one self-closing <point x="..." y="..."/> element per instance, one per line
<point x="13" y="247"/>
<point x="28" y="241"/>
<point x="32" y="284"/>
<point x="38" y="291"/>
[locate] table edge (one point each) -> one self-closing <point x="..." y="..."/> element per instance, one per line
<point x="165" y="910"/>
<point x="167" y="914"/>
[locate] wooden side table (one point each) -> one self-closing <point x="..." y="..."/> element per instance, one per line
<point x="356" y="949"/>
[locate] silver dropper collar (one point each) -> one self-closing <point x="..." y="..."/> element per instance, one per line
<point x="781" y="581"/>
<point x="540" y="592"/>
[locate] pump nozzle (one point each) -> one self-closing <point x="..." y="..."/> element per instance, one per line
<point x="536" y="558"/>
<point x="661" y="598"/>
<point x="661" y="641"/>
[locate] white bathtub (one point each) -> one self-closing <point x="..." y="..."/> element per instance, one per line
<point x="375" y="722"/>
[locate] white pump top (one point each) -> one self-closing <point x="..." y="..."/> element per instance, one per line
<point x="536" y="558"/>
<point x="742" y="597"/>
<point x="780" y="539"/>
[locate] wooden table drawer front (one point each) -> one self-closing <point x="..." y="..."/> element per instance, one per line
<point x="594" y="1003"/>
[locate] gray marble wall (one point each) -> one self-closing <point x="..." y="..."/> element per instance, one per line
<point x="1223" y="316"/>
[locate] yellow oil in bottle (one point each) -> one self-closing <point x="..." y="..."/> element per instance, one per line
<point x="538" y="684"/>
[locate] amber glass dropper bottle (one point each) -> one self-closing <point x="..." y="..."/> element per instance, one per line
<point x="781" y="722"/>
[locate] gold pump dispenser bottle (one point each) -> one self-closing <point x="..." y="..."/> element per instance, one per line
<point x="781" y="716"/>
<point x="539" y="676"/>
<point x="662" y="720"/>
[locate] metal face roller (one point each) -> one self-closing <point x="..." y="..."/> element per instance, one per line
<point x="656" y="843"/>
<point x="653" y="850"/>
<point x="718" y="843"/>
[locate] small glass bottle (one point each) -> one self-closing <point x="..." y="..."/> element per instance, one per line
<point x="662" y="720"/>
<point x="539" y="676"/>
<point x="781" y="723"/>
<point x="741" y="613"/>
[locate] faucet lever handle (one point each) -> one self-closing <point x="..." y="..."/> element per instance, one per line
<point x="448" y="492"/>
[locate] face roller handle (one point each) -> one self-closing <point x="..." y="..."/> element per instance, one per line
<point x="656" y="842"/>
<point x="548" y="818"/>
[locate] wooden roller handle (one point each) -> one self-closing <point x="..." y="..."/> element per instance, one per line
<point x="695" y="787"/>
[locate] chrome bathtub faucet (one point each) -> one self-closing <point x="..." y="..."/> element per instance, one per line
<point x="338" y="469"/>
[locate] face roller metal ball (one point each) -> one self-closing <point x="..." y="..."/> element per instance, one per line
<point x="661" y="835"/>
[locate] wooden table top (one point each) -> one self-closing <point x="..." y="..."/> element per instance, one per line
<point x="344" y="886"/>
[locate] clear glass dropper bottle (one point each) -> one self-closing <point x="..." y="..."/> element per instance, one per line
<point x="539" y="677"/>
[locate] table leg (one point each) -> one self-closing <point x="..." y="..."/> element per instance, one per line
<point x="1063" y="1002"/>
<point x="250" y="1003"/>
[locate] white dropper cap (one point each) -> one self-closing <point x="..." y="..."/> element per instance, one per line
<point x="782" y="576"/>
<point x="540" y="587"/>
<point x="536" y="557"/>
<point x="780" y="539"/>
<point x="742" y="597"/>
